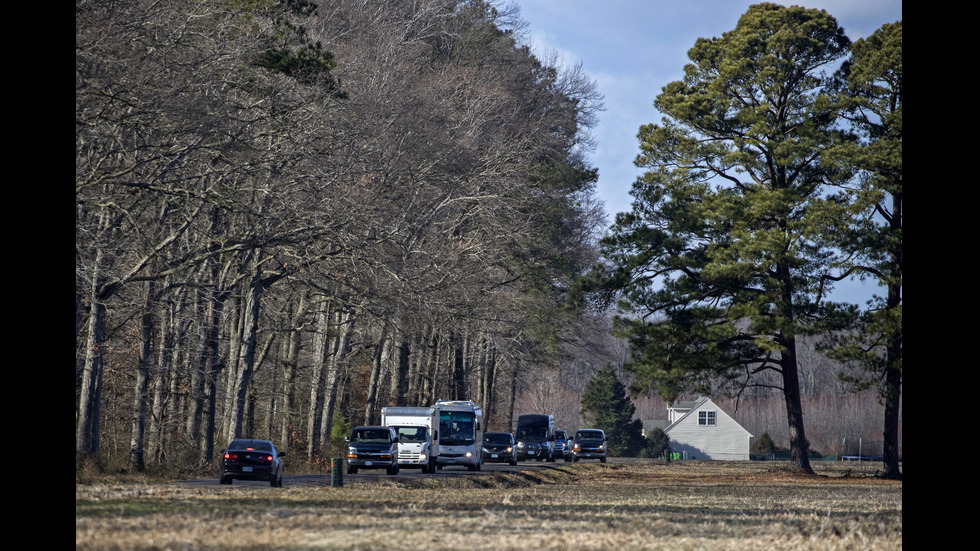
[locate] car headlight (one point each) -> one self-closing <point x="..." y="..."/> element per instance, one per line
<point x="469" y="454"/>
<point x="351" y="452"/>
<point x="422" y="457"/>
<point x="510" y="450"/>
<point x="520" y="444"/>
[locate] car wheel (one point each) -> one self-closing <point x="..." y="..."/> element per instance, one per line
<point x="225" y="480"/>
<point x="513" y="462"/>
<point x="351" y="470"/>
<point x="603" y="459"/>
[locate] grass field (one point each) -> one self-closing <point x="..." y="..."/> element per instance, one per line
<point x="683" y="505"/>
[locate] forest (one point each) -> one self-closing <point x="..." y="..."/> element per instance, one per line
<point x="292" y="214"/>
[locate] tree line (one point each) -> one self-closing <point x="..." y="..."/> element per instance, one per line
<point x="289" y="214"/>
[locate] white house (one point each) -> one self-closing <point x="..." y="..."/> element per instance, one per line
<point x="702" y="430"/>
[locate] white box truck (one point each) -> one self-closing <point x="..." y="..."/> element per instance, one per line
<point x="418" y="435"/>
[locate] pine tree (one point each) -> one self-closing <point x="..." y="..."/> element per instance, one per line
<point x="606" y="406"/>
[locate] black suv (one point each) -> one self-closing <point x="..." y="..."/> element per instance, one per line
<point x="372" y="447"/>
<point x="589" y="444"/>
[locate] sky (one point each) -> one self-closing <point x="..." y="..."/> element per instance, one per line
<point x="633" y="48"/>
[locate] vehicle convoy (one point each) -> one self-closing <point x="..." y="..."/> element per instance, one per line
<point x="372" y="447"/>
<point x="417" y="429"/>
<point x="536" y="437"/>
<point x="589" y="444"/>
<point x="498" y="447"/>
<point x="247" y="459"/>
<point x="460" y="434"/>
<point x="563" y="445"/>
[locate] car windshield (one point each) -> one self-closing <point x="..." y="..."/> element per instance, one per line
<point x="371" y="435"/>
<point x="588" y="435"/>
<point x="496" y="438"/>
<point x="561" y="435"/>
<point x="412" y="434"/>
<point x="257" y="445"/>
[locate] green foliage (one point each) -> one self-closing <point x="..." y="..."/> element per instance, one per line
<point x="731" y="246"/>
<point x="657" y="442"/>
<point x="764" y="445"/>
<point x="606" y="406"/>
<point x="290" y="52"/>
<point x="338" y="431"/>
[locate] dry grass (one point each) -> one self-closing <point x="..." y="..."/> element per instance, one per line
<point x="640" y="505"/>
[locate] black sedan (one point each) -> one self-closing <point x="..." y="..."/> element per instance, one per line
<point x="247" y="459"/>
<point x="499" y="447"/>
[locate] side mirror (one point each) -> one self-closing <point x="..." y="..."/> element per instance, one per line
<point x="282" y="454"/>
<point x="347" y="439"/>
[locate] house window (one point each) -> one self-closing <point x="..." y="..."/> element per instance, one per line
<point x="707" y="418"/>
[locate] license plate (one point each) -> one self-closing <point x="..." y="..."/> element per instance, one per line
<point x="405" y="462"/>
<point x="246" y="469"/>
<point x="367" y="463"/>
<point x="493" y="455"/>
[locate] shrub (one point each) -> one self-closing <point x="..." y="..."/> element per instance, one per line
<point x="657" y="442"/>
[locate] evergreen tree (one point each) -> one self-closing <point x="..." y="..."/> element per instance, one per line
<point x="726" y="257"/>
<point x="606" y="406"/>
<point x="872" y="80"/>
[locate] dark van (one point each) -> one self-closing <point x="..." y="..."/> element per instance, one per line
<point x="536" y="437"/>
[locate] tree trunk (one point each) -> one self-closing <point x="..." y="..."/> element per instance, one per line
<point x="893" y="353"/>
<point x="87" y="423"/>
<point x="290" y="360"/>
<point x="799" y="447"/>
<point x="338" y="356"/>
<point x="399" y="368"/>
<point x="211" y="366"/>
<point x="315" y="408"/>
<point x="892" y="391"/>
<point x="381" y="350"/>
<point x="155" y="437"/>
<point x="136" y="449"/>
<point x="247" y="353"/>
<point x="236" y="316"/>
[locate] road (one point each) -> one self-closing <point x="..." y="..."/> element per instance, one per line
<point x="312" y="480"/>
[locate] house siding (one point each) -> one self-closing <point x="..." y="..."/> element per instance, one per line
<point x="726" y="440"/>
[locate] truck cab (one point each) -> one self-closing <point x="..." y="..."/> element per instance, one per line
<point x="415" y="447"/>
<point x="417" y="431"/>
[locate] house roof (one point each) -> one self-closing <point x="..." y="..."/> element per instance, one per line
<point x="690" y="406"/>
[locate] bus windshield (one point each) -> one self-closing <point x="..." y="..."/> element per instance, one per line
<point x="457" y="428"/>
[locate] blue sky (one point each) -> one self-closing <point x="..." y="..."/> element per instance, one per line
<point x="632" y="48"/>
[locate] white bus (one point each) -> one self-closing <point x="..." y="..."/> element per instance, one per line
<point x="460" y="434"/>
